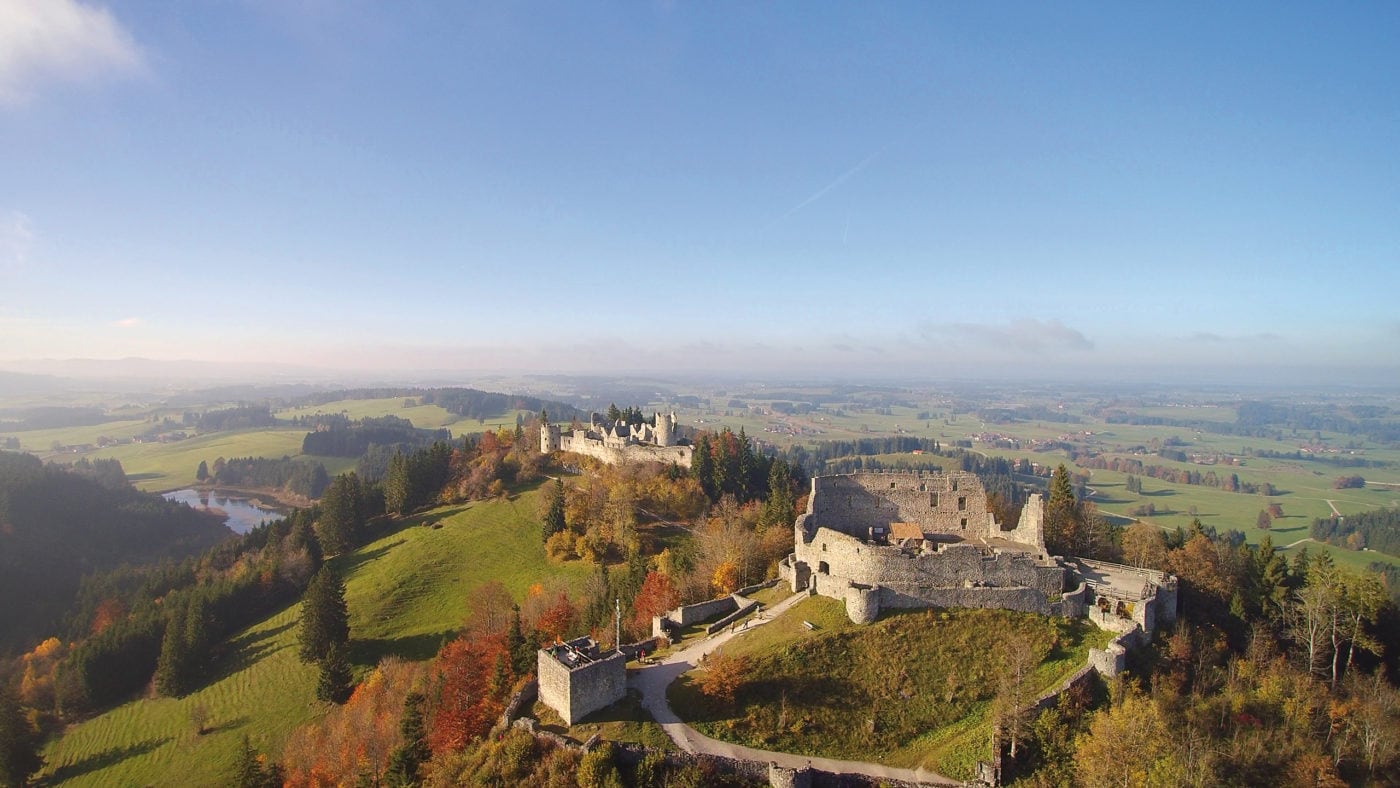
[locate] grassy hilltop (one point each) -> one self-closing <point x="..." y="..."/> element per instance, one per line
<point x="406" y="591"/>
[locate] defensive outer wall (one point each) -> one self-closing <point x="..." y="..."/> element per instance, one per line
<point x="898" y="540"/>
<point x="893" y="540"/>
<point x="619" y="443"/>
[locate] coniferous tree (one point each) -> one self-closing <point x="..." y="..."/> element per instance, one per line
<point x="342" y="514"/>
<point x="1061" y="514"/>
<point x="19" y="746"/>
<point x="779" y="508"/>
<point x="175" y="666"/>
<point x="325" y="622"/>
<point x="335" y="682"/>
<point x="554" y="521"/>
<point x="408" y="758"/>
<point x="202" y="473"/>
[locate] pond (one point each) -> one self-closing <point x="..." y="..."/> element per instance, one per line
<point x="242" y="515"/>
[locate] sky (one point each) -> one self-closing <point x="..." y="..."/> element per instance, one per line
<point x="1154" y="192"/>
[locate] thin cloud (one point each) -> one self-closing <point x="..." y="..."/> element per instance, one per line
<point x="1027" y="336"/>
<point x="1218" y="339"/>
<point x="128" y="322"/>
<point x="823" y="191"/>
<point x="43" y="41"/>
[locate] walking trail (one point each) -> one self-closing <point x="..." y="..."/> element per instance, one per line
<point x="652" y="681"/>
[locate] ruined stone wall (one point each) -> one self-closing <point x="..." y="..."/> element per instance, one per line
<point x="850" y="559"/>
<point x="1030" y="529"/>
<point x="947" y="503"/>
<point x="579" y="443"/>
<point x="576" y="693"/>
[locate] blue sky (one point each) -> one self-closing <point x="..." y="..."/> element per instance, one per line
<point x="914" y="189"/>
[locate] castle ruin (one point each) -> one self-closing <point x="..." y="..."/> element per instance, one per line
<point x="619" y="442"/>
<point x="916" y="539"/>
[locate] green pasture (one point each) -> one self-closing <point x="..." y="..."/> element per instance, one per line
<point x="423" y="416"/>
<point x="925" y="677"/>
<point x="170" y="466"/>
<point x="42" y="441"/>
<point x="409" y="590"/>
<point x="261" y="690"/>
<point x="406" y="591"/>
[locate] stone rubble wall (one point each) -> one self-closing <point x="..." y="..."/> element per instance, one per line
<point x="947" y="503"/>
<point x="579" y="443"/>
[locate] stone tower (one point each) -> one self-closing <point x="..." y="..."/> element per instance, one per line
<point x="666" y="429"/>
<point x="549" y="437"/>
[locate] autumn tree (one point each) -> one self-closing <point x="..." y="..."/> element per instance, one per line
<point x="657" y="596"/>
<point x="1263" y="522"/>
<point x="1128" y="744"/>
<point x="722" y="677"/>
<point x="474" y="679"/>
<point x="325" y="621"/>
<point x="1144" y="546"/>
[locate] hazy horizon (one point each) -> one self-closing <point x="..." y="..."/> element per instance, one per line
<point x="895" y="191"/>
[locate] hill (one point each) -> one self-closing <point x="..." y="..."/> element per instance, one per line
<point x="59" y="523"/>
<point x="406" y="592"/>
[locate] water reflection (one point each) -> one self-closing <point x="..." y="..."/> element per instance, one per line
<point x="242" y="514"/>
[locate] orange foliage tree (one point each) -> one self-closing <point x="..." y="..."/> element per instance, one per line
<point x="473" y="679"/>
<point x="354" y="742"/>
<point x="657" y="595"/>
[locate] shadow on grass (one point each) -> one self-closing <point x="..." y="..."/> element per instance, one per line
<point x="140" y="477"/>
<point x="369" y="651"/>
<point x="101" y="760"/>
<point x="347" y="564"/>
<point x="244" y="651"/>
<point x="1295" y="528"/>
<point x="228" y="725"/>
<point x="1157" y="493"/>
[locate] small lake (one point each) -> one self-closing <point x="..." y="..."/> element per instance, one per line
<point x="242" y="514"/>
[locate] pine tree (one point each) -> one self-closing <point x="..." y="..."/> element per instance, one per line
<point x="1061" y="514"/>
<point x="522" y="651"/>
<point x="175" y="664"/>
<point x="406" y="760"/>
<point x="325" y="622"/>
<point x="202" y="473"/>
<point x="19" y="747"/>
<point x="554" y="517"/>
<point x="335" y="682"/>
<point x="341" y="516"/>
<point x="397" y="489"/>
<point x="779" y="508"/>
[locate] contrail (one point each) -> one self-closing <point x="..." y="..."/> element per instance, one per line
<point x="820" y="193"/>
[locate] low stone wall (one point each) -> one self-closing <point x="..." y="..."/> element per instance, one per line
<point x="746" y="606"/>
<point x="522" y="699"/>
<point x="1111" y="661"/>
<point x="687" y="615"/>
<point x="756" y="587"/>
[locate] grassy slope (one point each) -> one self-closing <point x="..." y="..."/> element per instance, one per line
<point x="261" y="689"/>
<point x="424" y="416"/>
<point x="826" y="679"/>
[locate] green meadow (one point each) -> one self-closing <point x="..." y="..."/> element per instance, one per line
<point x="406" y="591"/>
<point x="913" y="689"/>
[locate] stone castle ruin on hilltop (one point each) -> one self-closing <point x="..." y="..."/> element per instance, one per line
<point x="914" y="539"/>
<point x="618" y="442"/>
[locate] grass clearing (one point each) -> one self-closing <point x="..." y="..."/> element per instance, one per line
<point x="170" y="466"/>
<point x="911" y="690"/>
<point x="405" y="591"/>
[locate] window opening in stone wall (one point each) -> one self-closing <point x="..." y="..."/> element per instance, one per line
<point x="891" y="485"/>
<point x="923" y="487"/>
<point x="823" y="547"/>
<point x="955" y="485"/>
<point x="822" y="568"/>
<point x="933" y="500"/>
<point x="964" y="522"/>
<point x="962" y="503"/>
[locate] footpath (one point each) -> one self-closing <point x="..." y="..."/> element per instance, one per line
<point x="652" y="681"/>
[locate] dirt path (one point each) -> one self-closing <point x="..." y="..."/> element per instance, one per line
<point x="1335" y="513"/>
<point x="653" y="680"/>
